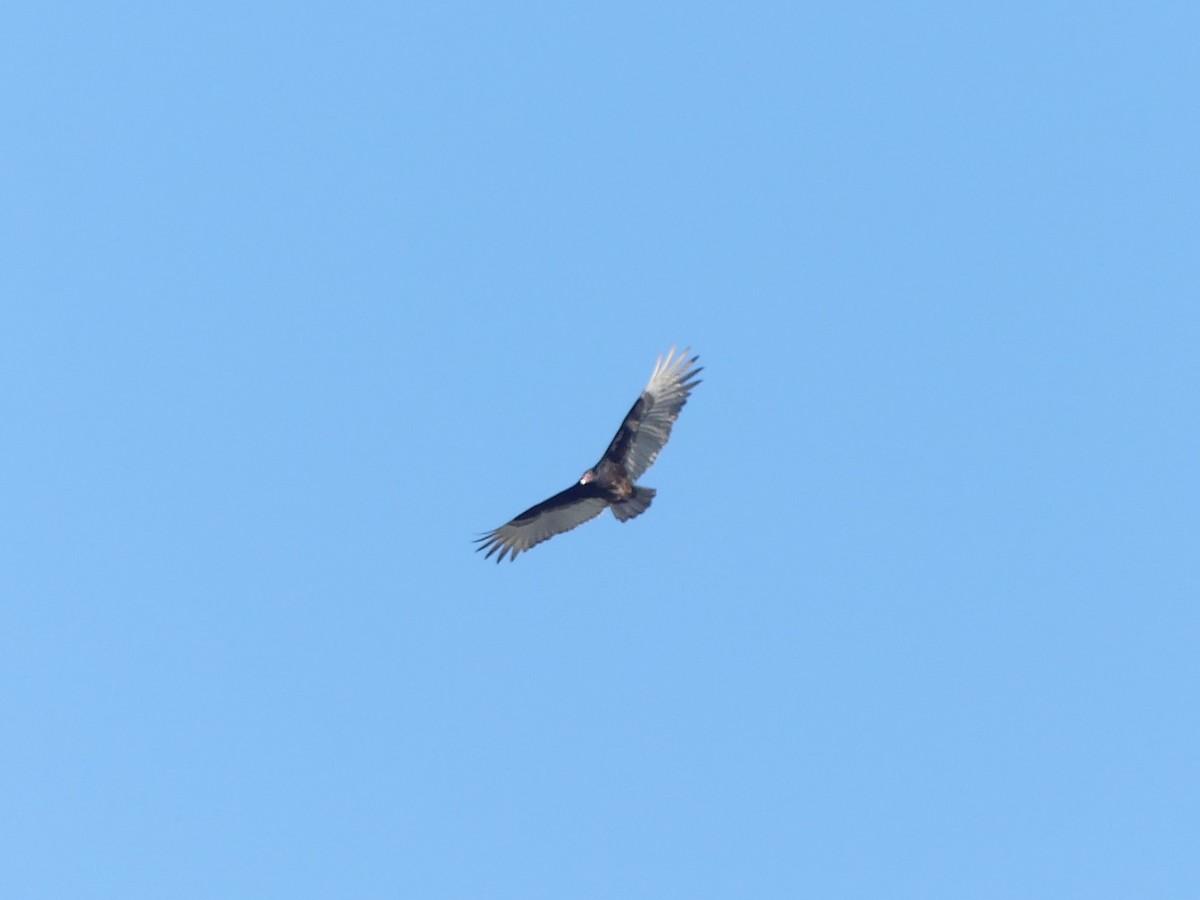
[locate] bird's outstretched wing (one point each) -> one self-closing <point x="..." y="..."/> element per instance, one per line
<point x="565" y="510"/>
<point x="647" y="427"/>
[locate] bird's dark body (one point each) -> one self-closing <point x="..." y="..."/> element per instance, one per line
<point x="611" y="483"/>
<point x="612" y="479"/>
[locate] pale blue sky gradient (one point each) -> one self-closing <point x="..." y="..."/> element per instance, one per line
<point x="295" y="300"/>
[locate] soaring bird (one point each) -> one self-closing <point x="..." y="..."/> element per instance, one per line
<point x="610" y="483"/>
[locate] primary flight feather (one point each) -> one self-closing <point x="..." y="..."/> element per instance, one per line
<point x="610" y="484"/>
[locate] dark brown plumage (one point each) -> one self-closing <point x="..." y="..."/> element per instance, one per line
<point x="611" y="482"/>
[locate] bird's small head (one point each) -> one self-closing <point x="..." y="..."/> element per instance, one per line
<point x="588" y="477"/>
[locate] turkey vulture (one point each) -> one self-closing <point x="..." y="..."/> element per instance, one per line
<point x="609" y="483"/>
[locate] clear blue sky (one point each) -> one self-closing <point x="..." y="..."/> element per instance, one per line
<point x="295" y="300"/>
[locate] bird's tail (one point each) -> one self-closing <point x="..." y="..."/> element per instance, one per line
<point x="637" y="504"/>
